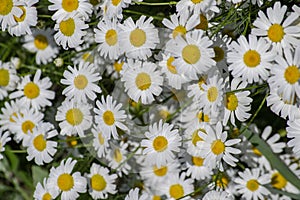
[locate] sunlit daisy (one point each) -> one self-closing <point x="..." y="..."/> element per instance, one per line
<point x="197" y="169"/>
<point x="42" y="191"/>
<point x="134" y="195"/>
<point x="142" y="81"/>
<point x="73" y="117"/>
<point x="9" y="9"/>
<point x="197" y="6"/>
<point x="61" y="179"/>
<point x="42" y="43"/>
<point x="161" y="143"/>
<point x="81" y="82"/>
<point x="34" y="92"/>
<point x="217" y="195"/>
<point x="279" y="182"/>
<point x="137" y="39"/>
<point x="195" y="90"/>
<point x="100" y="141"/>
<point x="8" y="78"/>
<point x="4" y="138"/>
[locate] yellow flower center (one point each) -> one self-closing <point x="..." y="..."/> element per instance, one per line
<point x="276" y="33"/>
<point x="256" y="151"/>
<point x="74" y="116"/>
<point x="252" y="185"/>
<point x="217" y="147"/>
<point x="71" y="141"/>
<point x="162" y="171"/>
<point x="67" y="27"/>
<point x="108" y="118"/>
<point x="196" y="1"/>
<point x="164" y="114"/>
<point x="22" y="17"/>
<point x="278" y="181"/>
<point x="197" y="161"/>
<point x="160" y="143"/>
<point x="179" y="30"/>
<point x="196" y="138"/>
<point x="11" y="119"/>
<point x="88" y="57"/>
<point x="118" y="66"/>
<point x="101" y="138"/>
<point x="222" y="182"/>
<point x="4" y="77"/>
<point x="115" y="2"/>
<point x="203" y="23"/>
<point x="118" y="156"/>
<point x="80" y="82"/>
<point x="69" y="5"/>
<point x="191" y="54"/>
<point x="156" y="197"/>
<point x="200" y="82"/>
<point x="171" y="67"/>
<point x="203" y="117"/>
<point x="137" y="37"/>
<point x="231" y="102"/>
<point x="143" y="81"/>
<point x="65" y="182"/>
<point x="252" y="58"/>
<point x="40" y="42"/>
<point x="31" y="90"/>
<point x="47" y="196"/>
<point x="39" y="142"/>
<point x="176" y="191"/>
<point x="292" y="74"/>
<point x="6" y="7"/>
<point x="98" y="183"/>
<point x="219" y="54"/>
<point x="27" y="126"/>
<point x="111" y="37"/>
<point x="212" y="94"/>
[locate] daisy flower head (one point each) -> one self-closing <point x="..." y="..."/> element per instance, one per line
<point x="217" y="195"/>
<point x="197" y="6"/>
<point x="62" y="180"/>
<point x="138" y="39"/>
<point x="250" y="60"/>
<point x="81" y="82"/>
<point x="42" y="43"/>
<point x="134" y="195"/>
<point x="8" y="10"/>
<point x="107" y="34"/>
<point x="161" y="143"/>
<point x="142" y="81"/>
<point x="4" y="138"/>
<point x="8" y="111"/>
<point x="197" y="169"/>
<point x="73" y="117"/>
<point x="193" y="54"/>
<point x="8" y="78"/>
<point x="36" y="92"/>
<point x="250" y="184"/>
<point x="278" y="32"/>
<point x="114" y="8"/>
<point x="237" y="104"/>
<point x="110" y="116"/>
<point x="294" y="136"/>
<point x="70" y="32"/>
<point x="42" y="191"/>
<point x="26" y="20"/>
<point x="66" y="8"/>
<point x="39" y="147"/>
<point x="100" y="141"/>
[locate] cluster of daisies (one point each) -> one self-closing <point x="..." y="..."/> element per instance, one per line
<point x="172" y="122"/>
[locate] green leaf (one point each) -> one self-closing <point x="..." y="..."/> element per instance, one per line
<point x="13" y="159"/>
<point x="38" y="174"/>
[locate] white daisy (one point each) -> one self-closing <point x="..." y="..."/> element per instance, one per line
<point x="73" y="117"/>
<point x="142" y="81"/>
<point x="138" y="39"/>
<point x="42" y="191"/>
<point x="195" y="90"/>
<point x="62" y="180"/>
<point x="197" y="6"/>
<point x="4" y="138"/>
<point x="134" y="195"/>
<point x="8" y="78"/>
<point x="100" y="141"/>
<point x="197" y="169"/>
<point x="114" y="8"/>
<point x="217" y="195"/>
<point x="100" y="182"/>
<point x="36" y="93"/>
<point x="293" y="133"/>
<point x="9" y="9"/>
<point x="81" y="82"/>
<point x="8" y="111"/>
<point x="161" y="143"/>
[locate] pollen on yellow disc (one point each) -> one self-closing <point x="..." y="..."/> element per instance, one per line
<point x="22" y="17"/>
<point x="191" y="54"/>
<point x="162" y="171"/>
<point x="231" y="102"/>
<point x="118" y="66"/>
<point x="256" y="151"/>
<point x="179" y="30"/>
<point x="197" y="161"/>
<point x="278" y="181"/>
<point x="65" y="182"/>
<point x="6" y="7"/>
<point x="156" y="197"/>
<point x="40" y="42"/>
<point x="196" y="138"/>
<point x="171" y="67"/>
<point x="74" y="116"/>
<point x="217" y="147"/>
<point x="276" y="33"/>
<point x="101" y="138"/>
<point x="212" y="94"/>
<point x="27" y="126"/>
<point x="196" y="1"/>
<point x="31" y="90"/>
<point x="203" y="117"/>
<point x="176" y="191"/>
<point x="137" y="37"/>
<point x="108" y="117"/>
<point x="118" y="155"/>
<point x="39" y="142"/>
<point x="71" y="141"/>
<point x="143" y="81"/>
<point x="115" y="2"/>
<point x="160" y="143"/>
<point x="98" y="182"/>
<point x="223" y="182"/>
<point x="219" y="54"/>
<point x="251" y="58"/>
<point x="4" y="77"/>
<point x="47" y="196"/>
<point x="292" y="74"/>
<point x="70" y="5"/>
<point x="111" y="37"/>
<point x="80" y="82"/>
<point x="203" y="25"/>
<point x="67" y="27"/>
<point x="252" y="185"/>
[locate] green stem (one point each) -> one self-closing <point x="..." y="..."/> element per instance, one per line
<point x="141" y="13"/>
<point x="17" y="151"/>
<point x="247" y="88"/>
<point x="157" y="4"/>
<point x="195" y="192"/>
